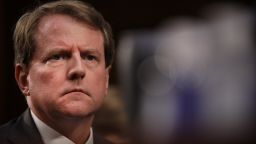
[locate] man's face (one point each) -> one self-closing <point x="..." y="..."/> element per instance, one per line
<point x="67" y="76"/>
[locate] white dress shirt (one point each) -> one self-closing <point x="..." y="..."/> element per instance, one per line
<point x="50" y="136"/>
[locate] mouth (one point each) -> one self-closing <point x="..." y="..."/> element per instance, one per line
<point x="76" y="90"/>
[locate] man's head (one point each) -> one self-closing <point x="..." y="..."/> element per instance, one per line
<point x="24" y="34"/>
<point x="63" y="53"/>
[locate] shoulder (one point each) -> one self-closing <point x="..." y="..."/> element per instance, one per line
<point x="5" y="130"/>
<point x="10" y="126"/>
<point x="98" y="139"/>
<point x="20" y="130"/>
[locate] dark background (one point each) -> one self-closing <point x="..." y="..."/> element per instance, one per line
<point x="122" y="15"/>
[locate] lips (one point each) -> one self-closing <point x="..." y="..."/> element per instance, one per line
<point x="76" y="90"/>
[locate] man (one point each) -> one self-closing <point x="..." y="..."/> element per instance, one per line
<point x="63" y="54"/>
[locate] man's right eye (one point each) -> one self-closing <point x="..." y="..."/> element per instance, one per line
<point x="56" y="57"/>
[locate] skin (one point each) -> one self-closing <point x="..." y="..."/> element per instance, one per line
<point x="67" y="80"/>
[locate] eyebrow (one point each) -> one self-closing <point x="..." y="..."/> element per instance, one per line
<point x="51" y="52"/>
<point x="91" y="50"/>
<point x="57" y="51"/>
<point x="64" y="51"/>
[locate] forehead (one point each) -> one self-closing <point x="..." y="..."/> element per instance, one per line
<point x="63" y="27"/>
<point x="55" y="21"/>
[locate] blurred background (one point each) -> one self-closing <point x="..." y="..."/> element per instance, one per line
<point x="184" y="70"/>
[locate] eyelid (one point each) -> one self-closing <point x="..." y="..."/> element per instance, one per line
<point x="61" y="54"/>
<point x="58" y="55"/>
<point x="90" y="54"/>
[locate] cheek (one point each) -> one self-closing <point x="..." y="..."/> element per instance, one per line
<point x="42" y="78"/>
<point x="100" y="85"/>
<point x="42" y="81"/>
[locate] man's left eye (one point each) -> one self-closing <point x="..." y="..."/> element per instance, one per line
<point x="91" y="57"/>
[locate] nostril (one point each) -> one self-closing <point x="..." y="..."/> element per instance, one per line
<point x="76" y="75"/>
<point x="76" y="72"/>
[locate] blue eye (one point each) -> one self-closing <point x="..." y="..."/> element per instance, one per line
<point x="91" y="57"/>
<point x="59" y="57"/>
<point x="56" y="57"/>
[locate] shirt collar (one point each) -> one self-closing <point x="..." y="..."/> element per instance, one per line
<point x="50" y="136"/>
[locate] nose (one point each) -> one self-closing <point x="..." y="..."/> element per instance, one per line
<point x="76" y="68"/>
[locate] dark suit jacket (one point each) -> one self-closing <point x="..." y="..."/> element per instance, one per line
<point x="24" y="131"/>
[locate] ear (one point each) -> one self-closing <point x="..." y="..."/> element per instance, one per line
<point x="107" y="79"/>
<point x="21" y="78"/>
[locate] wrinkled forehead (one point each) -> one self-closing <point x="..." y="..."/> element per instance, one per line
<point x="63" y="31"/>
<point x="56" y="19"/>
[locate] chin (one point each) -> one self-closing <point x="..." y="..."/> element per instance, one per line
<point x="77" y="111"/>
